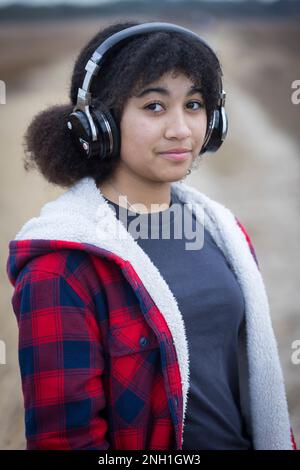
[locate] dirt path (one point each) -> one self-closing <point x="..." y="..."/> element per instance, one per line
<point x="256" y="175"/>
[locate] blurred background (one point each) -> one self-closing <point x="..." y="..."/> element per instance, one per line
<point x="255" y="173"/>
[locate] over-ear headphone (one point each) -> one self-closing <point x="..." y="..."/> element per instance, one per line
<point x="95" y="130"/>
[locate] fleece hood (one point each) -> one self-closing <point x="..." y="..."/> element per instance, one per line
<point x="81" y="218"/>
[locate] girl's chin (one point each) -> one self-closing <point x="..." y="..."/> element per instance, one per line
<point x="173" y="176"/>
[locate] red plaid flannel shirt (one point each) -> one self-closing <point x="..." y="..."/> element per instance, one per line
<point x="97" y="359"/>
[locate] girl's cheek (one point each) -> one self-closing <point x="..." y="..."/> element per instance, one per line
<point x="144" y="129"/>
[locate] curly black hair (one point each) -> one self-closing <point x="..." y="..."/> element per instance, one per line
<point x="49" y="146"/>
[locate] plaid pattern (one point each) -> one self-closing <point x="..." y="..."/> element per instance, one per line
<point x="251" y="247"/>
<point x="97" y="360"/>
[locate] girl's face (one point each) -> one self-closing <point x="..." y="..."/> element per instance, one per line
<point x="168" y="114"/>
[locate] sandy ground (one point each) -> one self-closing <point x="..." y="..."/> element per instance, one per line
<point x="256" y="174"/>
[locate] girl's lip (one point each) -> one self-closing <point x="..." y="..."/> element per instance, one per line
<point x="176" y="156"/>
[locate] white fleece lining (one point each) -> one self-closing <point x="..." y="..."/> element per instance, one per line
<point x="81" y="214"/>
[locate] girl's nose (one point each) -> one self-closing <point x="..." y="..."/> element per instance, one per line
<point x="178" y="127"/>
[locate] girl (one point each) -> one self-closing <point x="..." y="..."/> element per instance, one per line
<point x="143" y="318"/>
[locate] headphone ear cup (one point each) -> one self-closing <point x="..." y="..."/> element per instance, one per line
<point x="216" y="132"/>
<point x="109" y="141"/>
<point x="80" y="129"/>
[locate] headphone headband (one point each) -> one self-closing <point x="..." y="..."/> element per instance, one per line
<point x="96" y="132"/>
<point x="93" y="65"/>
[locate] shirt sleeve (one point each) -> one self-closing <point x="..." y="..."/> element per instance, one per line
<point x="251" y="247"/>
<point x="61" y="365"/>
<point x="248" y="239"/>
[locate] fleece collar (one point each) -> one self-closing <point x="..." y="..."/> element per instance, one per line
<point x="82" y="214"/>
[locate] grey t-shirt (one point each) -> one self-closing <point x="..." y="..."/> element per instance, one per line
<point x="212" y="305"/>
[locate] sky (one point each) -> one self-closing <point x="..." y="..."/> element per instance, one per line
<point x="79" y="2"/>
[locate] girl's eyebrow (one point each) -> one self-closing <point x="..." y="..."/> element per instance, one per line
<point x="164" y="91"/>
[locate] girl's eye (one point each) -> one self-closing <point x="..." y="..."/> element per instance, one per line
<point x="200" y="105"/>
<point x="152" y="105"/>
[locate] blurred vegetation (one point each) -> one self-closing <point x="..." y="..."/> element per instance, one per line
<point x="190" y="9"/>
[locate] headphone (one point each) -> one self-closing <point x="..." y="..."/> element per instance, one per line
<point x="95" y="130"/>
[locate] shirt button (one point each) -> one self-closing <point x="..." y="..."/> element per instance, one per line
<point x="176" y="401"/>
<point x="143" y="341"/>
